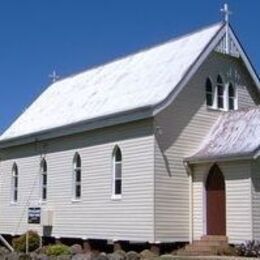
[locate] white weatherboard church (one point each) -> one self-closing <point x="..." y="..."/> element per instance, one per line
<point x="162" y="145"/>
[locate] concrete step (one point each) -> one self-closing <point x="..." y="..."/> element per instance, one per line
<point x="192" y="247"/>
<point x="209" y="243"/>
<point x="195" y="253"/>
<point x="214" y="238"/>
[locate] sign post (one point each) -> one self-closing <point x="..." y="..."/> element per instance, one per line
<point x="34" y="217"/>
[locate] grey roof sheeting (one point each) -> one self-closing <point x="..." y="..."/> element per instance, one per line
<point x="236" y="134"/>
<point x="134" y="82"/>
<point x="135" y="87"/>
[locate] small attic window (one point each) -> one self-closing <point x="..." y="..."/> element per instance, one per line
<point x="231" y="97"/>
<point x="220" y="93"/>
<point x="209" y="93"/>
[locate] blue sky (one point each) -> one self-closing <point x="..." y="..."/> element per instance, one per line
<point x="37" y="36"/>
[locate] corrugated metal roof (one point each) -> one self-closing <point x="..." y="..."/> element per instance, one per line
<point x="235" y="134"/>
<point x="137" y="81"/>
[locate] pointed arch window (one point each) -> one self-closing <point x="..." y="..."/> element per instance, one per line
<point x="43" y="180"/>
<point x="209" y="93"/>
<point x="220" y="92"/>
<point x="231" y="97"/>
<point x="15" y="183"/>
<point x="76" y="177"/>
<point x="117" y="173"/>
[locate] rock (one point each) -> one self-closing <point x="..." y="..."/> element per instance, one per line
<point x="86" y="247"/>
<point x="120" y="252"/>
<point x="63" y="257"/>
<point x="155" y="249"/>
<point x="147" y="254"/>
<point x="132" y="255"/>
<point x="116" y="256"/>
<point x="12" y="256"/>
<point x="41" y="257"/>
<point x="3" y="251"/>
<point x="24" y="257"/>
<point x="86" y="256"/>
<point x="81" y="257"/>
<point x="53" y="257"/>
<point x="76" y="249"/>
<point x="100" y="257"/>
<point x="167" y="257"/>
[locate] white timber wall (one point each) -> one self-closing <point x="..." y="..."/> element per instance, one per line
<point x="238" y="200"/>
<point x="96" y="215"/>
<point x="255" y="174"/>
<point x="198" y="203"/>
<point x="182" y="127"/>
<point x="13" y="214"/>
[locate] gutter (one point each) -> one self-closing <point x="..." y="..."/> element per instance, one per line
<point x="79" y="127"/>
<point x="257" y="154"/>
<point x="199" y="160"/>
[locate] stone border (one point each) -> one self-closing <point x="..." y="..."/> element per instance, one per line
<point x="207" y="258"/>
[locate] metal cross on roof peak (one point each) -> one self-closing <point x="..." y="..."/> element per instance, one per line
<point x="54" y="76"/>
<point x="226" y="12"/>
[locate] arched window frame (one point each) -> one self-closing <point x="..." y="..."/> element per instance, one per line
<point x="43" y="179"/>
<point x="77" y="176"/>
<point x="15" y="176"/>
<point x="210" y="94"/>
<point x="220" y="93"/>
<point x="231" y="99"/>
<point x="117" y="160"/>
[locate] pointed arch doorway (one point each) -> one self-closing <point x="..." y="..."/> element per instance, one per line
<point x="216" y="202"/>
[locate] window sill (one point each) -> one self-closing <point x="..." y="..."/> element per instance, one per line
<point x="75" y="200"/>
<point x="216" y="109"/>
<point x="116" y="197"/>
<point x="14" y="203"/>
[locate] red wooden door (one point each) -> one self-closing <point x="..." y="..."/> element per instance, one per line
<point x="216" y="202"/>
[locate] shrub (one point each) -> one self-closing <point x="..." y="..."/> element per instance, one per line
<point x="59" y="249"/>
<point x="249" y="248"/>
<point x="19" y="243"/>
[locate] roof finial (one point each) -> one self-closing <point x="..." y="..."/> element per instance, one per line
<point x="54" y="76"/>
<point x="226" y="12"/>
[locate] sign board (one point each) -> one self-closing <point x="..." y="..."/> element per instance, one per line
<point x="34" y="215"/>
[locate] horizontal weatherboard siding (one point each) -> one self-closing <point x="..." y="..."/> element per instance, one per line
<point x="182" y="127"/>
<point x="96" y="215"/>
<point x="255" y="175"/>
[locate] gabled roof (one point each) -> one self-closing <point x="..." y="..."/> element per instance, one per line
<point x="236" y="135"/>
<point x="134" y="87"/>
